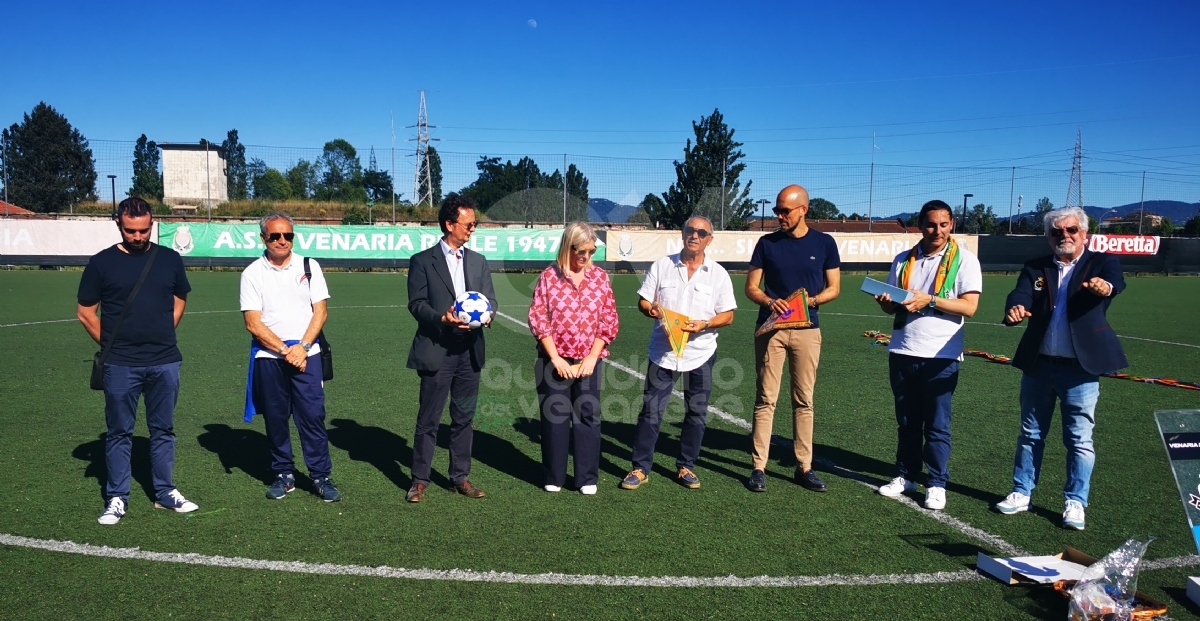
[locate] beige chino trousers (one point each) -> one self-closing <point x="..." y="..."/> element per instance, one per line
<point x="802" y="350"/>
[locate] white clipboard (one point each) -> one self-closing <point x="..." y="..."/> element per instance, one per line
<point x="874" y="287"/>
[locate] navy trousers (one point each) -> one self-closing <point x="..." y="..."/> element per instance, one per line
<point x="123" y="386"/>
<point x="282" y="392"/>
<point x="697" y="385"/>
<point x="570" y="413"/>
<point x="458" y="379"/>
<point x="922" y="388"/>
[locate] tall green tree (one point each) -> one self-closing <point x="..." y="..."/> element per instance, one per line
<point x="821" y="209"/>
<point x="50" y="165"/>
<point x="654" y="208"/>
<point x="981" y="220"/>
<point x="271" y="185"/>
<point x="341" y="174"/>
<point x="238" y="177"/>
<point x="147" y="180"/>
<point x="378" y="185"/>
<point x="302" y="178"/>
<point x="498" y="181"/>
<point x="707" y="181"/>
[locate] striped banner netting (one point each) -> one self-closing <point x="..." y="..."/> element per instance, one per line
<point x="880" y="338"/>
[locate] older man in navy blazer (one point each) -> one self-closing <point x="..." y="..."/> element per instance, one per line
<point x="446" y="353"/>
<point x="1065" y="349"/>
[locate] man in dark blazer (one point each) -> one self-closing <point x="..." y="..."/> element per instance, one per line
<point x="1065" y="349"/>
<point x="446" y="353"/>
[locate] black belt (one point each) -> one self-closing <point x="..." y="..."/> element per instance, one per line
<point x="1058" y="360"/>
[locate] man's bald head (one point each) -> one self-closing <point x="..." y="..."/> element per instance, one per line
<point x="792" y="197"/>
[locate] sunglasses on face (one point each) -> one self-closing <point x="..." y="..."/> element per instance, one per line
<point x="1068" y="230"/>
<point x="688" y="231"/>
<point x="470" y="225"/>
<point x="783" y="211"/>
<point x="274" y="237"/>
<point x="588" y="252"/>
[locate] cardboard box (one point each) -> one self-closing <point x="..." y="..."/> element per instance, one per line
<point x="1067" y="565"/>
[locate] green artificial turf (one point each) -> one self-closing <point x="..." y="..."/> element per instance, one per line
<point x="52" y="427"/>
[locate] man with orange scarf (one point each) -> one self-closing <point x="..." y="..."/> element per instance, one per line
<point x="944" y="280"/>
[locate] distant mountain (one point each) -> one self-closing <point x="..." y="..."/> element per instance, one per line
<point x="604" y="210"/>
<point x="1178" y="211"/>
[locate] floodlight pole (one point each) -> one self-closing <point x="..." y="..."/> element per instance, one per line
<point x="964" y="216"/>
<point x="1142" y="204"/>
<point x="762" y="221"/>
<point x="1020" y="197"/>
<point x="1012" y="185"/>
<point x="564" y="178"/>
<point x="871" y="184"/>
<point x="4" y="153"/>
<point x="113" y="179"/>
<point x="724" y="165"/>
<point x="208" y="180"/>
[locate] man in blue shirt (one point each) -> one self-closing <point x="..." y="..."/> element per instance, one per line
<point x="794" y="257"/>
<point x="143" y="360"/>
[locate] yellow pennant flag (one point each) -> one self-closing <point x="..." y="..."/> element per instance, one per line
<point x="673" y="323"/>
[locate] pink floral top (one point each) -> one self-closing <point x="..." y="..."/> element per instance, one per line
<point x="574" y="316"/>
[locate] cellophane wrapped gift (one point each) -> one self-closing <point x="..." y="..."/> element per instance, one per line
<point x="1105" y="591"/>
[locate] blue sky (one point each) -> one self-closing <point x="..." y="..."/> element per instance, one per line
<point x="942" y="84"/>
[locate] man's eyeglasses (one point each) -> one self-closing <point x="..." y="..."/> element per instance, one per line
<point x="470" y="225"/>
<point x="1069" y="230"/>
<point x="688" y="231"/>
<point x="274" y="237"/>
<point x="583" y="252"/>
<point x="783" y="211"/>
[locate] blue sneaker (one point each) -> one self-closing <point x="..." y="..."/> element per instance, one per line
<point x="326" y="490"/>
<point x="283" y="484"/>
<point x="175" y="501"/>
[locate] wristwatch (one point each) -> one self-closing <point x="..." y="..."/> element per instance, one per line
<point x="283" y="349"/>
<point x="306" y="346"/>
<point x="933" y="303"/>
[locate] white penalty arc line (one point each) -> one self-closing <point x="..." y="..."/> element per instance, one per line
<point x="502" y="577"/>
<point x="505" y="577"/>
<point x="949" y="520"/>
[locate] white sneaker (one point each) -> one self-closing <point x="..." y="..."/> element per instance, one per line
<point x="588" y="490"/>
<point x="898" y="486"/>
<point x="1073" y="516"/>
<point x="554" y="489"/>
<point x="1015" y="502"/>
<point x="113" y="512"/>
<point x="176" y="502"/>
<point x="935" y="498"/>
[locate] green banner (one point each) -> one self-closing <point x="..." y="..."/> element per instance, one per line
<point x="360" y="242"/>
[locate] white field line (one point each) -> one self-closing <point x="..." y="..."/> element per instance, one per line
<point x="505" y="577"/>
<point x="467" y="575"/>
<point x="949" y="520"/>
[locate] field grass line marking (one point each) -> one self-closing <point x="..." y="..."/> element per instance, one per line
<point x="949" y="520"/>
<point x="505" y="577"/>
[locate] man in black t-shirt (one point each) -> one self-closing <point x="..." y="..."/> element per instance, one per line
<point x="792" y="258"/>
<point x="144" y="359"/>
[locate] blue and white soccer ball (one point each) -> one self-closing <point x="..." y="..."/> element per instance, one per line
<point x="474" y="308"/>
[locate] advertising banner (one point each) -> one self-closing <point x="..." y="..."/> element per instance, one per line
<point x="736" y="247"/>
<point x="360" y="242"/>
<point x="1125" y="244"/>
<point x="78" y="238"/>
<point x="1180" y="430"/>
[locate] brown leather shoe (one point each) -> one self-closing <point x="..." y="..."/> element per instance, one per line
<point x="416" y="493"/>
<point x="470" y="491"/>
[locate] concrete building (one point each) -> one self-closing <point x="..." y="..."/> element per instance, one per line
<point x="193" y="174"/>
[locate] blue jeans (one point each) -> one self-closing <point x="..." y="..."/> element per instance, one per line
<point x="697" y="385"/>
<point x="122" y="387"/>
<point x="1077" y="391"/>
<point x="923" y="388"/>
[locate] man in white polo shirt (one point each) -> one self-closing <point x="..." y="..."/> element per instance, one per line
<point x="691" y="284"/>
<point x="285" y="310"/>
<point x="926" y="349"/>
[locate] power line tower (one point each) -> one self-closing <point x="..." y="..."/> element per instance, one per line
<point x="422" y="179"/>
<point x="1075" y="189"/>
<point x="372" y="165"/>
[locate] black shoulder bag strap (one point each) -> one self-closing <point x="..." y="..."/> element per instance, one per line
<point x="128" y="304"/>
<point x="326" y="351"/>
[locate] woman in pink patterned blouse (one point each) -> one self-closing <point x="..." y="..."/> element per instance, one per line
<point x="573" y="317"/>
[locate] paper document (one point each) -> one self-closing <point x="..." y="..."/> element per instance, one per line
<point x="874" y="287"/>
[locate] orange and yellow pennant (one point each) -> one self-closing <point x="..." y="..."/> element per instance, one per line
<point x="673" y="323"/>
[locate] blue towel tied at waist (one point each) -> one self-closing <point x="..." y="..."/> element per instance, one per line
<point x="255" y="347"/>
